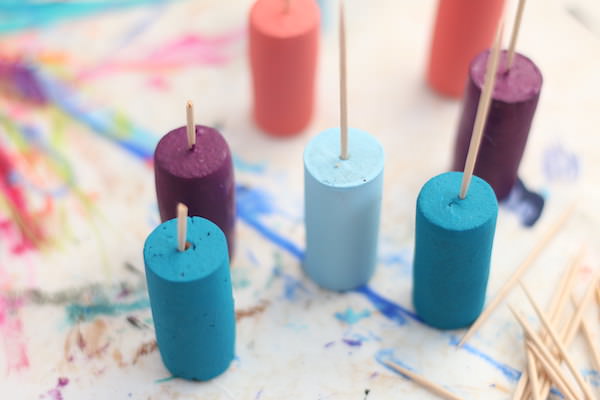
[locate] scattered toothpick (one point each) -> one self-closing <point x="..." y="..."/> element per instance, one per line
<point x="482" y="112"/>
<point x="191" y="127"/>
<point x="553" y="371"/>
<point x="558" y="342"/>
<point x="533" y="376"/>
<point x="587" y="334"/>
<point x="577" y="317"/>
<point x="287" y="6"/>
<point x="545" y="354"/>
<point x="432" y="387"/>
<point x="515" y="34"/>
<point x="182" y="212"/>
<point x="512" y="281"/>
<point x="343" y="92"/>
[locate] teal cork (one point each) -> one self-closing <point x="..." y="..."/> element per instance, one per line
<point x="191" y="299"/>
<point x="453" y="247"/>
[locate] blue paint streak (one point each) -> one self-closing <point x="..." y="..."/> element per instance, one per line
<point x="509" y="372"/>
<point x="136" y="140"/>
<point x="351" y="317"/>
<point x="245" y="166"/>
<point x="24" y="14"/>
<point x="390" y="310"/>
<point x="254" y="203"/>
<point x="384" y="356"/>
<point x="80" y="312"/>
<point x="592" y="376"/>
<point x="291" y="285"/>
<point x="352" y="342"/>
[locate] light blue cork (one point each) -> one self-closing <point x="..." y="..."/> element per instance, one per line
<point x="191" y="299"/>
<point x="453" y="248"/>
<point x="342" y="203"/>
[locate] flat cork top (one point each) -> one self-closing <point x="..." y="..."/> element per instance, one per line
<point x="521" y="83"/>
<point x="207" y="250"/>
<point x="270" y="17"/>
<point x="207" y="156"/>
<point x="438" y="201"/>
<point x="322" y="158"/>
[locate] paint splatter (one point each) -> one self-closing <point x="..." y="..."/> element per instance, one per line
<point x="526" y="204"/>
<point x="560" y="164"/>
<point x="91" y="340"/>
<point x="252" y="204"/>
<point x="291" y="285"/>
<point x="81" y="312"/>
<point x="252" y="311"/>
<point x="592" y="376"/>
<point x="135" y="322"/>
<point x="11" y="329"/>
<point x="352" y="342"/>
<point x="188" y="50"/>
<point x="351" y="317"/>
<point x="56" y="392"/>
<point x="387" y="308"/>
<point x="144" y="349"/>
<point x="246" y="166"/>
<point x="509" y="372"/>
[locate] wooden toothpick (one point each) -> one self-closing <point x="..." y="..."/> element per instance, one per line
<point x="182" y="212"/>
<point x="287" y="6"/>
<point x="554" y="372"/>
<point x="343" y="92"/>
<point x="533" y="376"/>
<point x="432" y="387"/>
<point x="577" y="317"/>
<point x="543" y="350"/>
<point x="191" y="127"/>
<point x="515" y="34"/>
<point x="558" y="342"/>
<point x="512" y="281"/>
<point x="482" y="112"/>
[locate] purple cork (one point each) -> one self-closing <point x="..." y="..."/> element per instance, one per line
<point x="200" y="177"/>
<point x="514" y="101"/>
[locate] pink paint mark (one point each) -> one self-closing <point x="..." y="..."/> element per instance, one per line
<point x="190" y="49"/>
<point x="56" y="392"/>
<point x="11" y="329"/>
<point x="158" y="83"/>
<point x="30" y="231"/>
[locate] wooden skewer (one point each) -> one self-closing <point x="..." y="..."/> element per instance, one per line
<point x="515" y="34"/>
<point x="432" y="387"/>
<point x="191" y="127"/>
<point x="533" y="376"/>
<point x="531" y="257"/>
<point x="553" y="371"/>
<point x="559" y="344"/>
<point x="482" y="112"/>
<point x="182" y="212"/>
<point x="343" y="92"/>
<point x="543" y="351"/>
<point x="287" y="6"/>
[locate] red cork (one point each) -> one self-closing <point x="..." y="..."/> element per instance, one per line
<point x="463" y="29"/>
<point x="283" y="58"/>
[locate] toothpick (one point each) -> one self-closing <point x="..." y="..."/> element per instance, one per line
<point x="191" y="127"/>
<point x="557" y="305"/>
<point x="515" y="34"/>
<point x="577" y="317"/>
<point x="521" y="386"/>
<point x="482" y="112"/>
<point x="343" y="92"/>
<point x="533" y="376"/>
<point x="544" y="353"/>
<point x="531" y="257"/>
<point x="182" y="212"/>
<point x="288" y="4"/>
<point x="554" y="372"/>
<point x="432" y="387"/>
<point x="587" y="334"/>
<point x="559" y="344"/>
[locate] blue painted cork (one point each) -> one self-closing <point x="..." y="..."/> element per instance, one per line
<point x="342" y="203"/>
<point x="453" y="248"/>
<point x="191" y="299"/>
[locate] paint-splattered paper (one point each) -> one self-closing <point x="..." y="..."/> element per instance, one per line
<point x="87" y="89"/>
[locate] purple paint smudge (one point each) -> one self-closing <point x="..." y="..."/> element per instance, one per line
<point x="56" y="392"/>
